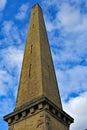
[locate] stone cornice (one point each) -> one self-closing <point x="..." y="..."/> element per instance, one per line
<point x="36" y="106"/>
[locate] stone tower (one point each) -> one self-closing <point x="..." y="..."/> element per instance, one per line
<point x="38" y="104"/>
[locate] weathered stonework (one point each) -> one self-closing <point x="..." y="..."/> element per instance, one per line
<point x="41" y="105"/>
<point x="38" y="105"/>
<point x="37" y="74"/>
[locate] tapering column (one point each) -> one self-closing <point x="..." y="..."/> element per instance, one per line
<point x="38" y="104"/>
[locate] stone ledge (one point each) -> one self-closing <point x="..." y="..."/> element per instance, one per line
<point x="37" y="106"/>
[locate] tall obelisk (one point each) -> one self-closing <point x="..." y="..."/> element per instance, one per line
<point x="38" y="104"/>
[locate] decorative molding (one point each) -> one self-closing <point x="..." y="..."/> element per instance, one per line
<point x="54" y="111"/>
<point x="16" y="117"/>
<point x="32" y="110"/>
<point x="24" y="113"/>
<point x="47" y="106"/>
<point x="40" y="106"/>
<point x="35" y="107"/>
<point x="59" y="114"/>
<point x="9" y="120"/>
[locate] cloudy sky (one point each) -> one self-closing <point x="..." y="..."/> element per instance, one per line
<point x="66" y="23"/>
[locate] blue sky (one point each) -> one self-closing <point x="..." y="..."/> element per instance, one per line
<point x="66" y="23"/>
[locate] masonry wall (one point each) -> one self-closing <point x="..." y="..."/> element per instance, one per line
<point x="40" y="121"/>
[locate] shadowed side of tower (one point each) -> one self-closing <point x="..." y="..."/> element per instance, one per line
<point x="38" y="104"/>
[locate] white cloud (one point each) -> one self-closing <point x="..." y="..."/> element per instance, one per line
<point x="22" y="12"/>
<point x="12" y="34"/>
<point x="68" y="17"/>
<point x="69" y="50"/>
<point x="12" y="57"/>
<point x="71" y="18"/>
<point x="2" y="4"/>
<point x="73" y="80"/>
<point x="5" y="82"/>
<point x="7" y="27"/>
<point x="49" y="25"/>
<point x="77" y="108"/>
<point x="11" y="61"/>
<point x="79" y="2"/>
<point x="6" y="106"/>
<point x="57" y="3"/>
<point x="68" y="36"/>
